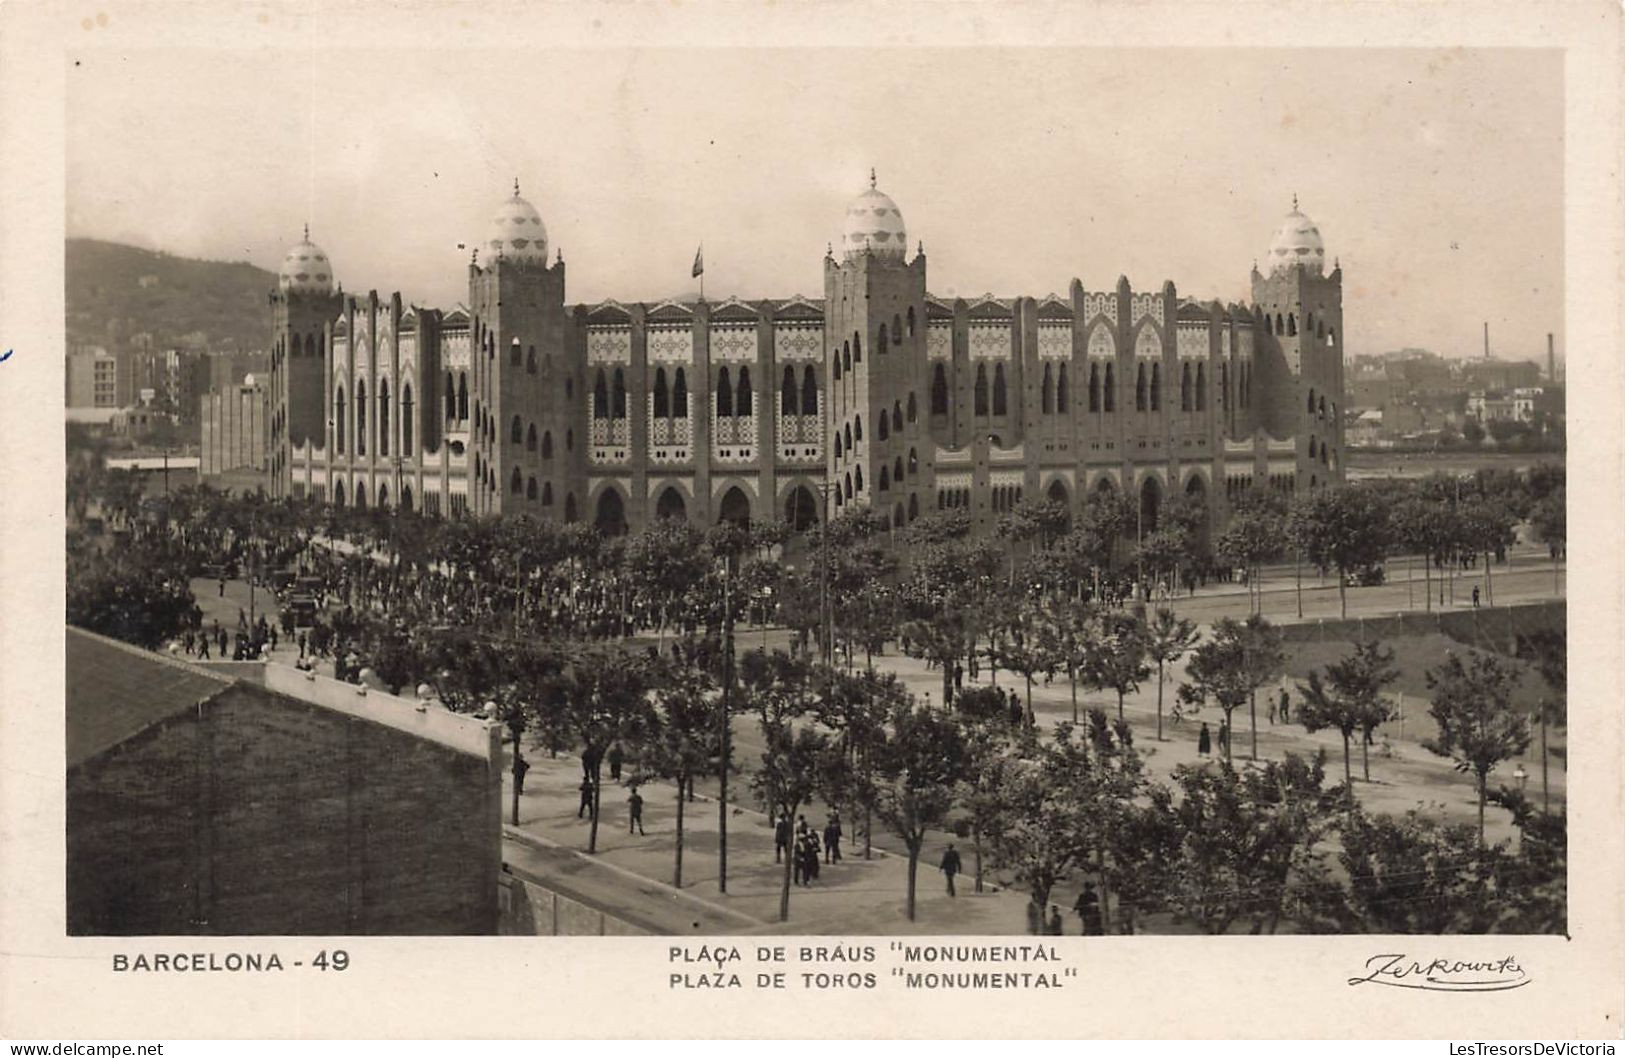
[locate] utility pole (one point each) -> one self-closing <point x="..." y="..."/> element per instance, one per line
<point x="726" y="734"/>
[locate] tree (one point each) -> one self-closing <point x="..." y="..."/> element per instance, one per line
<point x="1549" y="520"/>
<point x="1478" y="726"/>
<point x="1548" y="651"/>
<point x="1487" y="528"/>
<point x="1249" y="845"/>
<point x="134" y="593"/>
<point x="686" y="742"/>
<point x="1253" y="537"/>
<point x="918" y="768"/>
<point x="855" y="707"/>
<point x="1218" y="669"/>
<point x="1167" y="638"/>
<point x="1412" y="874"/>
<point x="797" y="761"/>
<point x="1119" y="662"/>
<point x="603" y="694"/>
<point x="1346" y="528"/>
<point x="1349" y="698"/>
<point x="1023" y="644"/>
<point x="1070" y="626"/>
<point x="1263" y="655"/>
<point x="1037" y="815"/>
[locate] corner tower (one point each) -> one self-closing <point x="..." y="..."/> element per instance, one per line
<point x="1300" y="308"/>
<point x="302" y="305"/>
<point x="520" y="372"/>
<point x="879" y="450"/>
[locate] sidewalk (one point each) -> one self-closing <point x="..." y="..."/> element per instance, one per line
<point x="851" y="897"/>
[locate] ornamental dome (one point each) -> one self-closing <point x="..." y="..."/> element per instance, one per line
<point x="1297" y="241"/>
<point x="305" y="269"/>
<point x="516" y="232"/>
<point x="874" y="224"/>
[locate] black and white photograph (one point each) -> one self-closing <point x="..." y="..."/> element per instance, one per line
<point x="816" y="490"/>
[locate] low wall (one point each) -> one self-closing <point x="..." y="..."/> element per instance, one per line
<point x="528" y="908"/>
<point x="1487" y="628"/>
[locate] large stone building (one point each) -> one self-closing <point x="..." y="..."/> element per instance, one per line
<point x="878" y="393"/>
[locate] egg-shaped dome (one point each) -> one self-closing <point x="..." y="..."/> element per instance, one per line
<point x="1297" y="241"/>
<point x="874" y="225"/>
<point x="516" y="232"/>
<point x="306" y="269"/>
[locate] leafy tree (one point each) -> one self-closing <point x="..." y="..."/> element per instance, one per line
<point x="1070" y="626"/>
<point x="1478" y="726"/>
<point x="603" y="695"/>
<point x="1167" y="638"/>
<point x="917" y="771"/>
<point x="855" y="707"/>
<point x="1219" y="669"/>
<point x="1346" y="528"/>
<point x="134" y="594"/>
<point x="686" y="742"/>
<point x="1487" y="528"/>
<point x="1348" y="699"/>
<point x="1250" y="842"/>
<point x="1548" y="651"/>
<point x="1412" y="874"/>
<point x="1549" y="520"/>
<point x="1037" y="815"/>
<point x="1023" y="644"/>
<point x="1119" y="662"/>
<point x="1263" y="655"/>
<point x="1253" y="537"/>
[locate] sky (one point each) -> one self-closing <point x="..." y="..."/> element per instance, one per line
<point x="1435" y="176"/>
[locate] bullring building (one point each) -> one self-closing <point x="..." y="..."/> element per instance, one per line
<point x="878" y="393"/>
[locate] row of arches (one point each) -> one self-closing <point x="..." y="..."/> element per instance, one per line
<point x="341" y="423"/>
<point x="520" y="434"/>
<point x="1053" y="390"/>
<point x="383" y="495"/>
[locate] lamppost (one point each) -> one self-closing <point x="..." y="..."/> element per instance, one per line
<point x="826" y="616"/>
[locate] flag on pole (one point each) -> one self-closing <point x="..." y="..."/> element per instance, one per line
<point x="699" y="262"/>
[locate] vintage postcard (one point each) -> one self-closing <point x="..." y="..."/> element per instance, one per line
<point x="978" y="520"/>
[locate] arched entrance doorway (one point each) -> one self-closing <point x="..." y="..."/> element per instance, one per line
<point x="570" y="507"/>
<point x="406" y="498"/>
<point x="361" y="495"/>
<point x="735" y="507"/>
<point x="800" y="509"/>
<point x="611" y="517"/>
<point x="671" y="505"/>
<point x="1057" y="494"/>
<point x="383" y="496"/>
<point x="1150" y="505"/>
<point x="338" y="493"/>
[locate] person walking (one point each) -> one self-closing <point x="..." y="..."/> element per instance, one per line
<point x="634" y="811"/>
<point x="1475" y="596"/>
<point x="1035" y="916"/>
<point x="1054" y="921"/>
<point x="1286" y="716"/>
<point x="586" y="797"/>
<point x="1224" y="737"/>
<point x="810" y="850"/>
<point x="1272" y="711"/>
<point x="950" y="866"/>
<point x="1204" y="741"/>
<point x="781" y="838"/>
<point x="832" y="839"/>
<point x="616" y="757"/>
<point x="1088" y="909"/>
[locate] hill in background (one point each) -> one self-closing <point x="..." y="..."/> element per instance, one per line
<point x="116" y="292"/>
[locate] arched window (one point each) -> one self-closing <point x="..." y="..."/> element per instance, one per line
<point x="809" y="391"/>
<point x="490" y="348"/>
<point x="662" y="399"/>
<point x="857" y="349"/>
<point x="836" y="369"/>
<point x="338" y="420"/>
<point x="1109" y="389"/>
<point x="1201" y="387"/>
<point x="848" y="485"/>
<point x="885" y="480"/>
<point x="530" y="489"/>
<point x="1311" y="402"/>
<point x="847" y="436"/>
<point x="913" y="462"/>
<point x="406" y="430"/>
<point x="547" y="494"/>
<point x="516" y="356"/>
<point x="1331" y="335"/>
<point x="679" y="395"/>
<point x="383" y="418"/>
<point x="857" y="427"/>
<point x="1323" y="407"/>
<point x="911" y="321"/>
<point x="530" y="366"/>
<point x="896" y="416"/>
<point x="742" y="405"/>
<point x="880" y="427"/>
<point x="1094" y="387"/>
<point x="451" y="397"/>
<point x="1000" y="403"/>
<point x="912" y="408"/>
<point x="462" y="395"/>
<point x="1156" y="386"/>
<point x="600" y="396"/>
<point x="913" y="507"/>
<point x="360" y="417"/>
<point x="939" y="391"/>
<point x="1140" y="389"/>
<point x="516" y="482"/>
<point x="1185" y="387"/>
<point x="838" y="448"/>
<point x="1047" y="393"/>
<point x="1060" y="391"/>
<point x="896" y="329"/>
<point x="897" y="471"/>
<point x="547" y="444"/>
<point x="516" y="432"/>
<point x="1291" y="324"/>
<point x="857" y="477"/>
<point x="618" y="408"/>
<point x="530" y="438"/>
<point x="981" y="389"/>
<point x="881" y="345"/>
<point x="787" y="392"/>
<point x="725" y="395"/>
